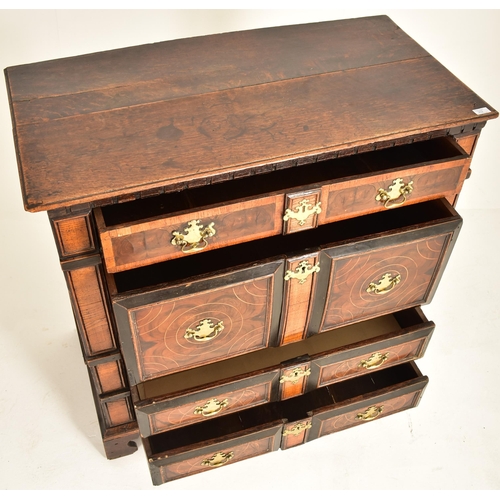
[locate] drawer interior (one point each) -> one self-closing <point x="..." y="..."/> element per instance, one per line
<point x="244" y="254"/>
<point x="272" y="357"/>
<point x="440" y="149"/>
<point x="290" y="410"/>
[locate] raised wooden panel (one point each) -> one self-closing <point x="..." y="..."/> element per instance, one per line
<point x="73" y="235"/>
<point x="118" y="411"/>
<point x="295" y="433"/>
<point x="88" y="297"/>
<point x="301" y="211"/>
<point x="410" y="269"/>
<point x="300" y="280"/>
<point x="109" y="376"/>
<point x="143" y="243"/>
<point x="175" y="328"/>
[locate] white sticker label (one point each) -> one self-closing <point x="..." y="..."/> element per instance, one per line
<point x="481" y="111"/>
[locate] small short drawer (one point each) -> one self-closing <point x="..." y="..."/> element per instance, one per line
<point x="261" y="377"/>
<point x="188" y="451"/>
<point x="151" y="230"/>
<point x="367" y="398"/>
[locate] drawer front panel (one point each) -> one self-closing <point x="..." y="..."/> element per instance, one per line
<point x="169" y="413"/>
<point x="177" y="328"/>
<point x="207" y="457"/>
<point x="367" y="284"/>
<point x="382" y="355"/>
<point x="370" y="410"/>
<point x="149" y="242"/>
<point x="390" y="190"/>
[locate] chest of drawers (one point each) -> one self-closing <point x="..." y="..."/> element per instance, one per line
<point x="248" y="224"/>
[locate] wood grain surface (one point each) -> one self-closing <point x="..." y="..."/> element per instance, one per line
<point x="108" y="124"/>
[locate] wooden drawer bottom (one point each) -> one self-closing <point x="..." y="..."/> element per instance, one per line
<point x="284" y="424"/>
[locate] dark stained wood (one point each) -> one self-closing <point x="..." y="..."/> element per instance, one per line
<point x="173" y="69"/>
<point x="133" y="146"/>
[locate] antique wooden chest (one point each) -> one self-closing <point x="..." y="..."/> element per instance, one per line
<point x="248" y="224"/>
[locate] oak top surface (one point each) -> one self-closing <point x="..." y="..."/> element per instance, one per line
<point x="101" y="125"/>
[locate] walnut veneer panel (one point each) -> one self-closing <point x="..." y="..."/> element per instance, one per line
<point x="180" y="327"/>
<point x="416" y="263"/>
<point x="135" y="245"/>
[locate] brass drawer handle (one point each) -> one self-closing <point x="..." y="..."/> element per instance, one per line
<point x="295" y="376"/>
<point x="385" y="284"/>
<point x="211" y="407"/>
<point x="302" y="271"/>
<point x="205" y="331"/>
<point x="370" y="413"/>
<point x="218" y="460"/>
<point x="374" y="361"/>
<point x="297" y="429"/>
<point x="194" y="237"/>
<point x="398" y="189"/>
<point x="302" y="212"/>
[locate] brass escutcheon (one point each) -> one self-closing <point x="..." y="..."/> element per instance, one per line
<point x="205" y="331"/>
<point x="211" y="407"/>
<point x="296" y="375"/>
<point x="302" y="212"/>
<point x="370" y="413"/>
<point x="194" y="237"/>
<point x="302" y="271"/>
<point x="385" y="284"/>
<point x="374" y="361"/>
<point x="398" y="189"/>
<point x="297" y="429"/>
<point x="218" y="459"/>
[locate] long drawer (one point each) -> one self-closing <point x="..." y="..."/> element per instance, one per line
<point x="274" y="374"/>
<point x="171" y="317"/>
<point x="226" y="440"/>
<point x="173" y="225"/>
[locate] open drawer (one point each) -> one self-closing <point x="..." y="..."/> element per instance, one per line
<point x="220" y="442"/>
<point x="274" y="374"/>
<point x="176" y="316"/>
<point x="173" y="225"/>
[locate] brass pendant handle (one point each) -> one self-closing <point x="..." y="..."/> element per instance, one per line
<point x="385" y="284"/>
<point x="297" y="429"/>
<point x="302" y="212"/>
<point x="211" y="407"/>
<point x="205" y="331"/>
<point x="193" y="237"/>
<point x="218" y="460"/>
<point x="374" y="361"/>
<point x="302" y="271"/>
<point x="398" y="190"/>
<point x="370" y="413"/>
<point x="295" y="376"/>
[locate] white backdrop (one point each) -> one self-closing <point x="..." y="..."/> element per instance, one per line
<point x="49" y="433"/>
